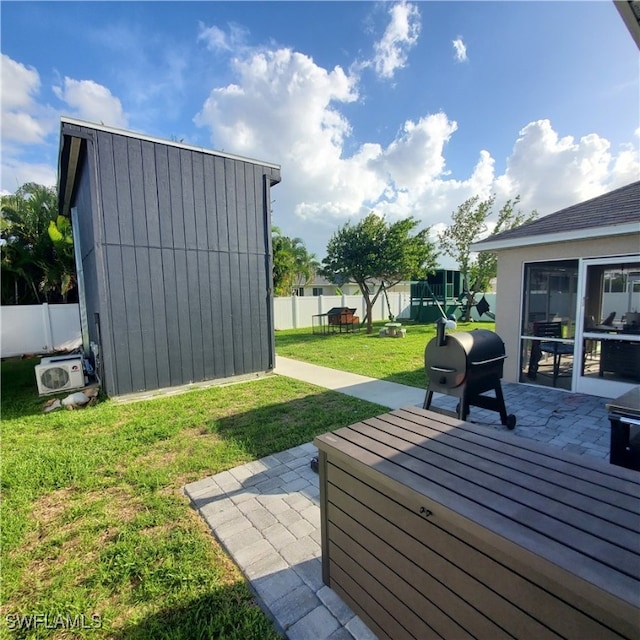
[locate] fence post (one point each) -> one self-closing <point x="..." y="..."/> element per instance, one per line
<point x="46" y="323"/>
<point x="294" y="311"/>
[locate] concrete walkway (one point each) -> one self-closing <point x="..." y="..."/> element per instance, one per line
<point x="266" y="513"/>
<point x="388" y="394"/>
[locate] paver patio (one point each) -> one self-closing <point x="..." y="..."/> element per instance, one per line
<point x="266" y="513"/>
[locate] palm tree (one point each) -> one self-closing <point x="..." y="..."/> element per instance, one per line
<point x="36" y="247"/>
<point x="293" y="265"/>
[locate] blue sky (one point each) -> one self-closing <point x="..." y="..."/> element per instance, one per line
<point x="400" y="108"/>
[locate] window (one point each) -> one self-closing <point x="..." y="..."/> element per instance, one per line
<point x="318" y="291"/>
<point x="615" y="281"/>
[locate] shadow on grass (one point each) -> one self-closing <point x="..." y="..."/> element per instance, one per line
<point x="275" y="427"/>
<point x="20" y="396"/>
<point x="285" y="597"/>
<point x="227" y="612"/>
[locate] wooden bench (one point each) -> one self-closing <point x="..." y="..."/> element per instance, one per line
<point x="433" y="527"/>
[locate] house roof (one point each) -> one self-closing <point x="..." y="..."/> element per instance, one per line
<point x="611" y="214"/>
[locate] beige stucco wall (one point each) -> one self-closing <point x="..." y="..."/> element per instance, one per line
<point x="509" y="284"/>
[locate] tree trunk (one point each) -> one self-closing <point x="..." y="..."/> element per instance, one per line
<point x="467" y="311"/>
<point x="369" y="310"/>
<point x="369" y="302"/>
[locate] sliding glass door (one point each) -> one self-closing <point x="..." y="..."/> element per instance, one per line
<point x="610" y="326"/>
<point x="547" y="334"/>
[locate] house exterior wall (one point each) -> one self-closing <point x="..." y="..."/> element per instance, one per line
<point x="177" y="261"/>
<point x="347" y="288"/>
<point x="509" y="283"/>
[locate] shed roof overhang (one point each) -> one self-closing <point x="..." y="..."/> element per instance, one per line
<point x="629" y="11"/>
<point x="69" y="157"/>
<point x="562" y="236"/>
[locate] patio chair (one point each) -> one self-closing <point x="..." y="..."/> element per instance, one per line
<point x="555" y="349"/>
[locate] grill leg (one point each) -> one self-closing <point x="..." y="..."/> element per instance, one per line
<point x="463" y="407"/>
<point x="427" y="399"/>
<point x="501" y="406"/>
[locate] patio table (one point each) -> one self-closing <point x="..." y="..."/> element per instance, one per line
<point x="434" y="527"/>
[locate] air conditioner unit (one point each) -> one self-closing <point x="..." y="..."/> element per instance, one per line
<point x="59" y="373"/>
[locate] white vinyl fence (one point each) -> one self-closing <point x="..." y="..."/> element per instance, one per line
<point x="49" y="328"/>
<point x="298" y="311"/>
<point x="41" y="328"/>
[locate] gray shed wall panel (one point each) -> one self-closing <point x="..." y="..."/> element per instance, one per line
<point x="140" y="238"/>
<point x="220" y="240"/>
<point x="195" y="316"/>
<point x="183" y="239"/>
<point x="118" y="335"/>
<point x="171" y="317"/>
<point x="164" y="195"/>
<point x="107" y="190"/>
<point x="201" y="223"/>
<point x="149" y="351"/>
<point x="226" y="305"/>
<point x="175" y="198"/>
<point x="220" y="357"/>
<point x="188" y="205"/>
<point x="91" y="252"/>
<point x="151" y="187"/>
<point x="231" y="203"/>
<point x="125" y="176"/>
<point x="206" y="316"/>
<point x="160" y="310"/>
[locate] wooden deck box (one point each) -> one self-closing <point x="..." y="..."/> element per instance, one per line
<point x="435" y="528"/>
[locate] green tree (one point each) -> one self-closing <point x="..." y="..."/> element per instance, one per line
<point x="469" y="224"/>
<point x="36" y="248"/>
<point x="377" y="255"/>
<point x="293" y="265"/>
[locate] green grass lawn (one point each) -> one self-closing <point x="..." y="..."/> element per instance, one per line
<point x="395" y="359"/>
<point x="94" y="522"/>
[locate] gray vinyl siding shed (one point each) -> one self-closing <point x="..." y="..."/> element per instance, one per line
<point x="175" y="256"/>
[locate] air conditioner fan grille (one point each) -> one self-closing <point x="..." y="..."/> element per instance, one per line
<point x="55" y="378"/>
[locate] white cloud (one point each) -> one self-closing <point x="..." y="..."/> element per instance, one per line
<point x="295" y="96"/>
<point x="284" y="108"/>
<point x="23" y="119"/>
<point x="20" y="84"/>
<point x="416" y="157"/>
<point x="22" y="127"/>
<point x="400" y="35"/>
<point x="551" y="172"/>
<point x="15" y="173"/>
<point x="218" y="40"/>
<point x="91" y="101"/>
<point x="29" y="125"/>
<point x="460" y="50"/>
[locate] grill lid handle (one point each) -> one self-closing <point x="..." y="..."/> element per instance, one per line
<point x="441" y="370"/>
<point x="477" y="364"/>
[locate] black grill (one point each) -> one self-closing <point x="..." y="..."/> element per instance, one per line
<point x="467" y="365"/>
